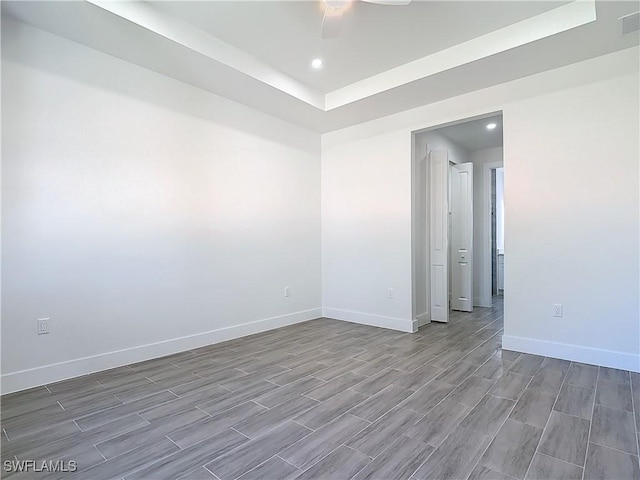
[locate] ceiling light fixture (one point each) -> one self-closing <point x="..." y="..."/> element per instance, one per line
<point x="491" y="126"/>
<point x="316" y="63"/>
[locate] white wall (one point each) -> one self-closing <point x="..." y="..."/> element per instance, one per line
<point x="482" y="223"/>
<point x="142" y="215"/>
<point x="561" y="210"/>
<point x="366" y="231"/>
<point x="571" y="221"/>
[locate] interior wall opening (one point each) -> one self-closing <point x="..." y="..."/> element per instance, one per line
<point x="457" y="217"/>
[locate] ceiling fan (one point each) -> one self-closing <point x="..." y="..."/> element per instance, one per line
<point x="333" y="10"/>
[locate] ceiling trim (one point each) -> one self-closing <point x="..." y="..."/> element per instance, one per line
<point x="560" y="19"/>
<point x="552" y="22"/>
<point x="577" y="13"/>
<point x="190" y="37"/>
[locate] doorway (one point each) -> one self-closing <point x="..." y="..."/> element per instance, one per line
<point x="473" y="146"/>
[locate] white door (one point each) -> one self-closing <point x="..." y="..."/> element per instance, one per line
<point x="462" y="237"/>
<point x="439" y="234"/>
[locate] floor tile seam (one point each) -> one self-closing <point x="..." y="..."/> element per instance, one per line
<point x="322" y="380"/>
<point x="246" y="436"/>
<point x="75" y="419"/>
<point x="278" y="424"/>
<point x="593" y="407"/>
<point x="446" y="397"/>
<point x="423" y="412"/>
<point x="286" y="461"/>
<point x="508" y="476"/>
<point x="79" y="427"/>
<point x="100" y="453"/>
<point x="318" y="460"/>
<point x="373" y="423"/>
<point x="488" y="339"/>
<point x="169" y="438"/>
<point x="249" y="439"/>
<point x="493" y="437"/>
<point x="177" y="396"/>
<point x="140" y="398"/>
<point x="11" y="446"/>
<point x="496" y="380"/>
<point x="427" y="459"/>
<point x="560" y="460"/>
<point x="617" y="383"/>
<point x="95" y="445"/>
<point x="444" y="353"/>
<point x="634" y="407"/>
<point x="396" y="406"/>
<point x="120" y="453"/>
<point x="105" y="391"/>
<point x="470" y="407"/>
<point x="416" y="368"/>
<point x="252" y="469"/>
<point x="363" y="467"/>
<point x="197" y="407"/>
<point x="569" y="414"/>
<point x="213" y="416"/>
<point x="455" y="365"/>
<point x="614" y="448"/>
<point x="506" y="398"/>
<point x="35" y="432"/>
<point x="344" y="444"/>
<point x="564" y="379"/>
<point x="205" y="467"/>
<point x="578" y="386"/>
<point x="617" y="409"/>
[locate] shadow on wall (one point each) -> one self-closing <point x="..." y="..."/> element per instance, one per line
<point x="83" y="64"/>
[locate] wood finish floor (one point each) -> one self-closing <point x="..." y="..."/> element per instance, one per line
<point x="335" y="400"/>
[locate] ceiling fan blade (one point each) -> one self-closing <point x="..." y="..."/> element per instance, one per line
<point x="389" y="2"/>
<point x="331" y="23"/>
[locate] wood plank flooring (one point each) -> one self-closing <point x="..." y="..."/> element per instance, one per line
<point x="333" y="400"/>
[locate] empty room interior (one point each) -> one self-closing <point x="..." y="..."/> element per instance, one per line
<point x="321" y="239"/>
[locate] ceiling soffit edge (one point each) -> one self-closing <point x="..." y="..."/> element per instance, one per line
<point x="560" y="19"/>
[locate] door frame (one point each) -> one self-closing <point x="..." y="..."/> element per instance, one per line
<point x="486" y="297"/>
<point x="416" y="151"/>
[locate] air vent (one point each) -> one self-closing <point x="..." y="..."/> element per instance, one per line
<point x="631" y="23"/>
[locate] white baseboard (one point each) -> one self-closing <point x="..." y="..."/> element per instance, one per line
<point x="480" y="302"/>
<point x="423" y="319"/>
<point x="575" y="353"/>
<point x="393" y="323"/>
<point x="21" y="380"/>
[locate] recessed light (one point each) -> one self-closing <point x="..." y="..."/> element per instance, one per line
<point x="491" y="126"/>
<point x="316" y="63"/>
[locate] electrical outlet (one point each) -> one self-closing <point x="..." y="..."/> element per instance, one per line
<point x="287" y="291"/>
<point x="43" y="326"/>
<point x="390" y="294"/>
<point x="557" y="309"/>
